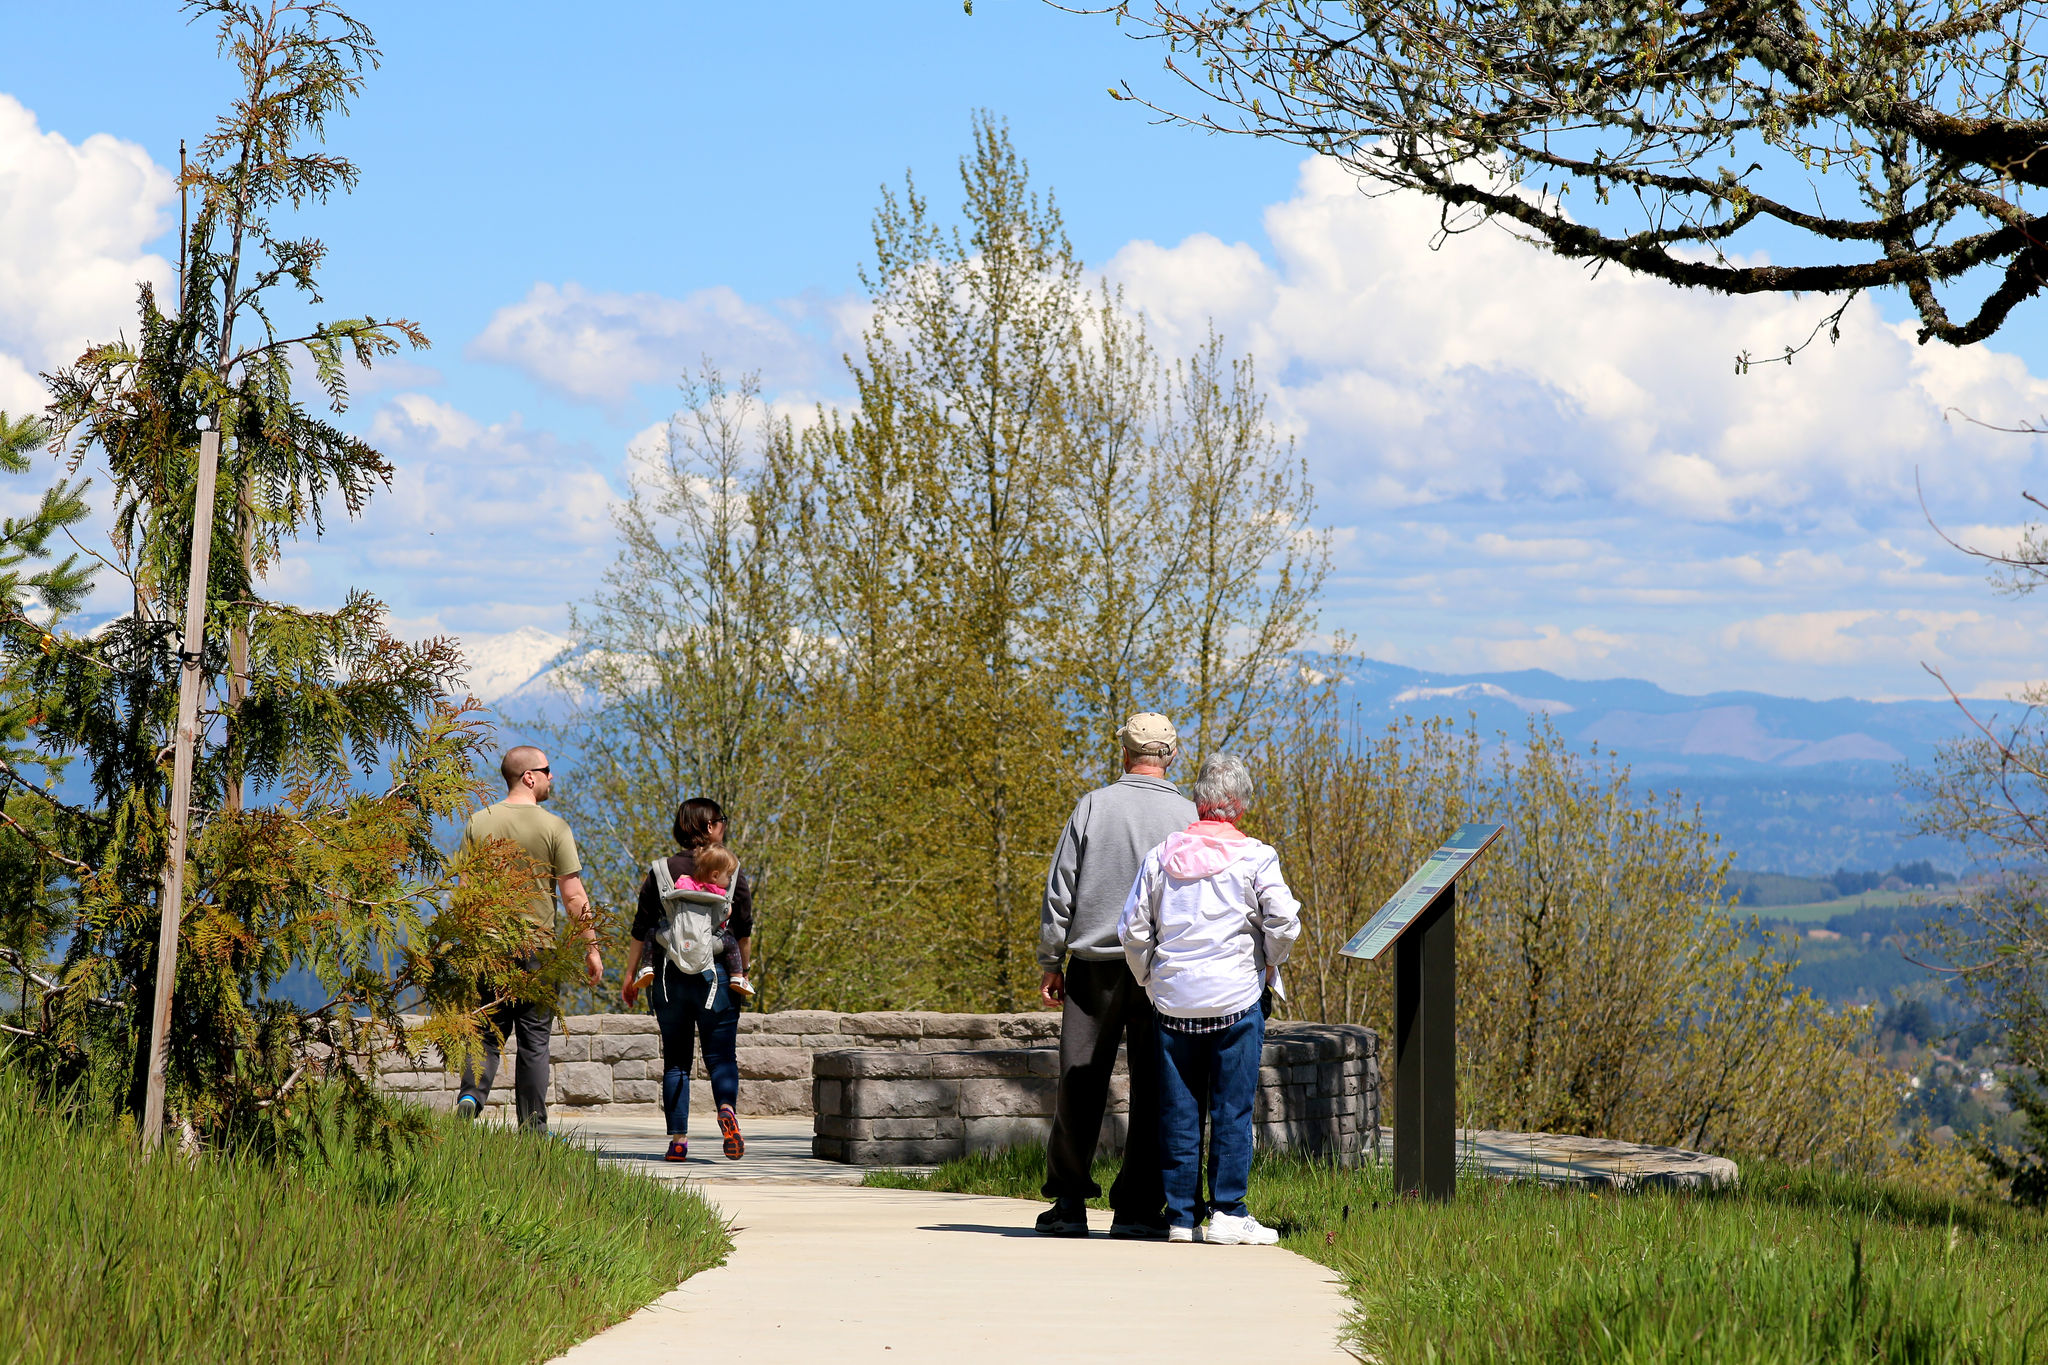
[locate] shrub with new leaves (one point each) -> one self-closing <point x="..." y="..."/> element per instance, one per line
<point x="1602" y="987"/>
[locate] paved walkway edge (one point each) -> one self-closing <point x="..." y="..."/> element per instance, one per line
<point x="823" y="1272"/>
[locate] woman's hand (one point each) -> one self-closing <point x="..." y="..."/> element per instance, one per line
<point x="630" y="992"/>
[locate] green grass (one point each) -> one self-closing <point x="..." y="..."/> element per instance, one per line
<point x="1794" y="1267"/>
<point x="480" y="1245"/>
<point x="1845" y="905"/>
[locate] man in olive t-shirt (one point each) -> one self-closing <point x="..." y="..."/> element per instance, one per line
<point x="548" y="841"/>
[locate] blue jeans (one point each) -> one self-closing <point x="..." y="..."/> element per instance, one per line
<point x="686" y="1009"/>
<point x="1213" y="1076"/>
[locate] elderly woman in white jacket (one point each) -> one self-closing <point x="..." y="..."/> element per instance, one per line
<point x="1207" y="925"/>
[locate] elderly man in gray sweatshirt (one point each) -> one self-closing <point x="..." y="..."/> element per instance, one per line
<point x="1097" y="860"/>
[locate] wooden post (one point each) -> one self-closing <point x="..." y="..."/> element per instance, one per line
<point x="1426" y="1051"/>
<point x="191" y="646"/>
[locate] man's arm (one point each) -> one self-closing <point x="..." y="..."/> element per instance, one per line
<point x="1056" y="912"/>
<point x="577" y="902"/>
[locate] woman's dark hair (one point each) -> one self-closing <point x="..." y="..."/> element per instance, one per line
<point x="694" y="819"/>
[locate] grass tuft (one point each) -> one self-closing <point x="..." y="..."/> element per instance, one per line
<point x="481" y="1244"/>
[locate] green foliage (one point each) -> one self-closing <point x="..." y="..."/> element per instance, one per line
<point x="478" y="1244"/>
<point x="2022" y="1172"/>
<point x="34" y="592"/>
<point x="1795" y="1265"/>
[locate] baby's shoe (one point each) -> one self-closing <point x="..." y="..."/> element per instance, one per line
<point x="740" y="986"/>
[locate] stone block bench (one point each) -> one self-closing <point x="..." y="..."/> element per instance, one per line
<point x="1318" y="1093"/>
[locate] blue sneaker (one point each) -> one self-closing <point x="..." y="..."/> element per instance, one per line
<point x="466" y="1108"/>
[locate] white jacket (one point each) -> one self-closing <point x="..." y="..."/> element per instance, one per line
<point x="1207" y="915"/>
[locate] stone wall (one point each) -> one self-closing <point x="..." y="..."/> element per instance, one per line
<point x="1318" y="1093"/>
<point x="607" y="1060"/>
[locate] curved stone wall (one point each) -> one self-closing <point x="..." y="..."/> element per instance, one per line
<point x="1319" y="1086"/>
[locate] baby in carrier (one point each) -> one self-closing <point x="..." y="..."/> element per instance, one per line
<point x="715" y="869"/>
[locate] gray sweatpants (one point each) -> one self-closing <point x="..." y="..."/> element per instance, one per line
<point x="1105" y="1005"/>
<point x="525" y="1027"/>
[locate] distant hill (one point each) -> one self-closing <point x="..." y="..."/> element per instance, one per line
<point x="1792" y="786"/>
<point x="1659" y="732"/>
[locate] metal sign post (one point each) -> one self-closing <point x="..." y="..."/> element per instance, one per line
<point x="172" y="899"/>
<point x="1421" y="923"/>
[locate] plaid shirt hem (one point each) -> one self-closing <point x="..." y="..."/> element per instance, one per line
<point x="1216" y="1025"/>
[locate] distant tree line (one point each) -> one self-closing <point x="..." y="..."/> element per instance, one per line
<point x="1769" y="890"/>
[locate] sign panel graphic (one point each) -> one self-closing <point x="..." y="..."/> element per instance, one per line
<point x="1437" y="872"/>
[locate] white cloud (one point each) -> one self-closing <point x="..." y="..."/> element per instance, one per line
<point x="74" y="220"/>
<point x="458" y="475"/>
<point x="1568" y="651"/>
<point x="1807" y="637"/>
<point x="600" y="346"/>
<point x="1486" y="369"/>
<point x="488" y="525"/>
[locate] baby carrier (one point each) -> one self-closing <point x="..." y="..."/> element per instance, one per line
<point x="691" y="921"/>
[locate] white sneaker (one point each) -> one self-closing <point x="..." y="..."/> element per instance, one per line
<point x="1180" y="1234"/>
<point x="1230" y="1230"/>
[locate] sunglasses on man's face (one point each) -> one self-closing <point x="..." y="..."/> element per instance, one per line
<point x="541" y="769"/>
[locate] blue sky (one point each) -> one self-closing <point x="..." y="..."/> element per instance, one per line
<point x="1522" y="468"/>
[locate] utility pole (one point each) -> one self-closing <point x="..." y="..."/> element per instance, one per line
<point x="191" y="646"/>
<point x="184" y="225"/>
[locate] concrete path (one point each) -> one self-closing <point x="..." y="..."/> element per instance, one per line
<point x="824" y="1271"/>
<point x="778" y="1149"/>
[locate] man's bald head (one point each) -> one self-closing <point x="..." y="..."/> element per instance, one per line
<point x="519" y="761"/>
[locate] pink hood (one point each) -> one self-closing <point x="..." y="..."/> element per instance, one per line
<point x="1203" y="849"/>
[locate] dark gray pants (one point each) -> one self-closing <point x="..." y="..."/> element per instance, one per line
<point x="1105" y="1005"/>
<point x="525" y="1027"/>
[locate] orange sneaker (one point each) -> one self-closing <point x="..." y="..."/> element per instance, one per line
<point x="729" y="1129"/>
<point x="678" y="1149"/>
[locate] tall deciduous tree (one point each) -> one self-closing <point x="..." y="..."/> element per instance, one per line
<point x="1027" y="525"/>
<point x="971" y="327"/>
<point x="692" y="655"/>
<point x="1899" y="144"/>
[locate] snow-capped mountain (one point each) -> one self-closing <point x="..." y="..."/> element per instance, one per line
<point x="500" y="665"/>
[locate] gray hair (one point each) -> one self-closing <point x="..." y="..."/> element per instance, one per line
<point x="1161" y="754"/>
<point x="1223" y="788"/>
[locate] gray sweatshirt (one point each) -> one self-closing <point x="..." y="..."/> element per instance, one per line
<point x="1106" y="838"/>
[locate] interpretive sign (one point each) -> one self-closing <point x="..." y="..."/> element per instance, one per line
<point x="1441" y="869"/>
<point x="1421" y="922"/>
